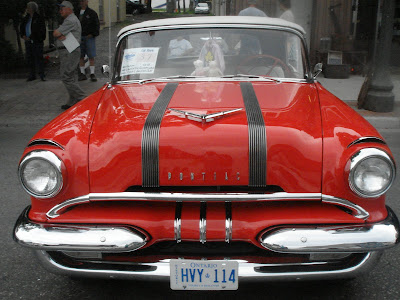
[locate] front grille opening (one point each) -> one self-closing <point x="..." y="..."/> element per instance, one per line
<point x="207" y="189"/>
<point x="191" y="250"/>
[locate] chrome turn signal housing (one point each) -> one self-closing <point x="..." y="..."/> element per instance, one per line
<point x="40" y="173"/>
<point x="372" y="172"/>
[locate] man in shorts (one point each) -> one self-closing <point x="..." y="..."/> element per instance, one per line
<point x="90" y="29"/>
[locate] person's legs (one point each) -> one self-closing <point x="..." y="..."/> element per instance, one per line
<point x="30" y="58"/>
<point x="69" y="61"/>
<point x="38" y="55"/>
<point x="91" y="53"/>
<point x="82" y="75"/>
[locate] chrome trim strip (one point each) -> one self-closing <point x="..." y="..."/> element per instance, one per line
<point x="360" y="212"/>
<point x="60" y="208"/>
<point x="249" y="272"/>
<point x="150" y="137"/>
<point x="217" y="79"/>
<point x="228" y="221"/>
<point x="184" y="197"/>
<point x="340" y="238"/>
<point x="367" y="139"/>
<point x="54" y="212"/>
<point x="212" y="26"/>
<point x="257" y="137"/>
<point x="68" y="237"/>
<point x="45" y="142"/>
<point x="178" y="221"/>
<point x="203" y="222"/>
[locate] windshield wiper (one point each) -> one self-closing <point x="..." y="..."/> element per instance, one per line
<point x="143" y="81"/>
<point x="251" y="76"/>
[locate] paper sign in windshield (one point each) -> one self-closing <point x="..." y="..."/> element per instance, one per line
<point x="139" y="61"/>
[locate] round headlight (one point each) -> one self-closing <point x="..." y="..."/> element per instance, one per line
<point x="40" y="174"/>
<point x="372" y="172"/>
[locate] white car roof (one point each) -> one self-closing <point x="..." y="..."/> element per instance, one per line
<point x="214" y="20"/>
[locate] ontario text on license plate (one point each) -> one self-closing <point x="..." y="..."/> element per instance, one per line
<point x="204" y="274"/>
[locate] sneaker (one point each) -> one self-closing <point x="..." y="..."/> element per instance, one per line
<point x="93" y="77"/>
<point x="81" y="77"/>
<point x="31" y="78"/>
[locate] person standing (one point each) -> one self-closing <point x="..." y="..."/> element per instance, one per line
<point x="287" y="12"/>
<point x="90" y="29"/>
<point x="69" y="60"/>
<point x="252" y="10"/>
<point x="33" y="31"/>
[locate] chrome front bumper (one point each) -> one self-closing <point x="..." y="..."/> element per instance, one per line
<point x="367" y="239"/>
<point x="248" y="272"/>
<point x="341" y="238"/>
<point x="76" y="237"/>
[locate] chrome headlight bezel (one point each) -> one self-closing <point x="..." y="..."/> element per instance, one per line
<point x="360" y="157"/>
<point x="50" y="158"/>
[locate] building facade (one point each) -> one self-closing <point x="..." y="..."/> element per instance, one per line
<point x="349" y="27"/>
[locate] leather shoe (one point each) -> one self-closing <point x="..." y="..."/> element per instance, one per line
<point x="65" y="106"/>
<point x="81" y="77"/>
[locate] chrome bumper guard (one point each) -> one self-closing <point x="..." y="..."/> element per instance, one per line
<point x="341" y="238"/>
<point x="76" y="237"/>
<point x="248" y="272"/>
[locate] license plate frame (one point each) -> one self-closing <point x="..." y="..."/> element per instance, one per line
<point x="187" y="274"/>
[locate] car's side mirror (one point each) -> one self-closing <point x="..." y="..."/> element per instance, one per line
<point x="105" y="70"/>
<point x="317" y="70"/>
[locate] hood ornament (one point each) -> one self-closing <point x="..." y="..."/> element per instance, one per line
<point x="204" y="118"/>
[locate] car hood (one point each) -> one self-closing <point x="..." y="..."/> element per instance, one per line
<point x="128" y="148"/>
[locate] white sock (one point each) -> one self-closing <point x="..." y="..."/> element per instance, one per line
<point x="82" y="70"/>
<point x="91" y="69"/>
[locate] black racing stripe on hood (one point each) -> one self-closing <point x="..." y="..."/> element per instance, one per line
<point x="150" y="137"/>
<point x="257" y="137"/>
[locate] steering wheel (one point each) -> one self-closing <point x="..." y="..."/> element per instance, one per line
<point x="260" y="58"/>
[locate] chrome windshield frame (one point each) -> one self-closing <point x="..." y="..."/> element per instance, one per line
<point x="307" y="73"/>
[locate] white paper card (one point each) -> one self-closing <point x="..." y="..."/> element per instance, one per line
<point x="139" y="61"/>
<point x="70" y="42"/>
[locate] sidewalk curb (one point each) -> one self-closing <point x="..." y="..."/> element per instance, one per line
<point x="389" y="120"/>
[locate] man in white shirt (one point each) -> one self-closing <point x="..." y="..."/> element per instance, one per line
<point x="252" y="10"/>
<point x="287" y="13"/>
<point x="179" y="47"/>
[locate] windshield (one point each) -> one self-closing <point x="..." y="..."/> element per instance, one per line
<point x="210" y="53"/>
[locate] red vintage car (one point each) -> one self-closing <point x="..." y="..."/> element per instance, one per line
<point x="212" y="157"/>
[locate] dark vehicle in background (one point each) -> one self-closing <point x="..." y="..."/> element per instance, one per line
<point x="135" y="7"/>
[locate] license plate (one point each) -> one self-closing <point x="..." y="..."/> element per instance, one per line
<point x="203" y="274"/>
